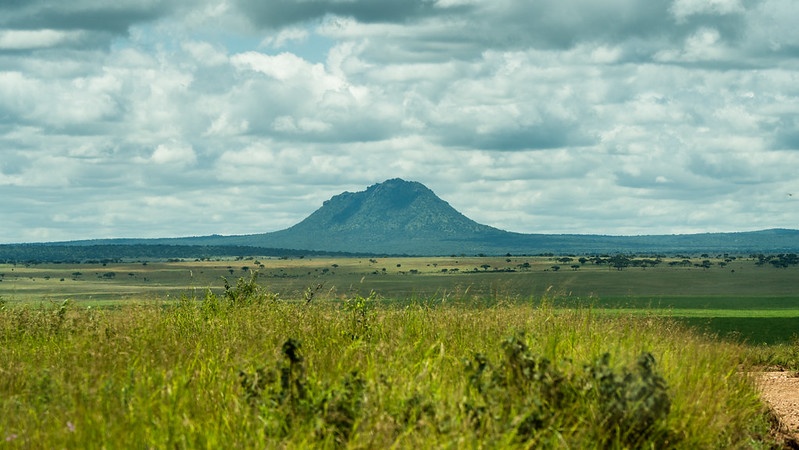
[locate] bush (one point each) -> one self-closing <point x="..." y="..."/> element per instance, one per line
<point x="246" y="292"/>
<point x="285" y="398"/>
<point x="524" y="394"/>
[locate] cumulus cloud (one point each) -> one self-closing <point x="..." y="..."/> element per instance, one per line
<point x="550" y="116"/>
<point x="174" y="154"/>
<point x="33" y="39"/>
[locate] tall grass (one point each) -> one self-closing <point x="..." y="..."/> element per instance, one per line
<point x="222" y="372"/>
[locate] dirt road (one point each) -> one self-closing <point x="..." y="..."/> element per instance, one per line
<point x="781" y="391"/>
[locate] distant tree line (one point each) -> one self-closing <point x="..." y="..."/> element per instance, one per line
<point x="75" y="254"/>
<point x="782" y="260"/>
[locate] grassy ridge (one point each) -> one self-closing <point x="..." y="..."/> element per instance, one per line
<point x="217" y="373"/>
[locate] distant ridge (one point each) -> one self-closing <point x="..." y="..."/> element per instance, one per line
<point x="405" y="217"/>
<point x="398" y="217"/>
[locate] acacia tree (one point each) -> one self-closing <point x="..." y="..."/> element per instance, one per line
<point x="619" y="261"/>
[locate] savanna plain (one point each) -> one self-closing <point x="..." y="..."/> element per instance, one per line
<point x="448" y="352"/>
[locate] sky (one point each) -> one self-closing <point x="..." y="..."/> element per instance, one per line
<point x="168" y="118"/>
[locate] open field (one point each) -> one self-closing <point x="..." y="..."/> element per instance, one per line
<point x="243" y="370"/>
<point x="757" y="303"/>
<point x="359" y="353"/>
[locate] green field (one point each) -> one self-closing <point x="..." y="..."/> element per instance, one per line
<point x="741" y="300"/>
<point x="391" y="353"/>
<point x="249" y="371"/>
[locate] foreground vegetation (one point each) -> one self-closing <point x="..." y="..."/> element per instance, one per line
<point x="242" y="368"/>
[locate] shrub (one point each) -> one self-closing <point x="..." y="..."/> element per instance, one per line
<point x="285" y="398"/>
<point x="527" y="394"/>
<point x="246" y="292"/>
<point x="361" y="315"/>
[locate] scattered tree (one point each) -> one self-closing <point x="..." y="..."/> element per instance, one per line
<point x="619" y="262"/>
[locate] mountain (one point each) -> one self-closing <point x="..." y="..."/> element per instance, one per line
<point x="406" y="218"/>
<point x="395" y="216"/>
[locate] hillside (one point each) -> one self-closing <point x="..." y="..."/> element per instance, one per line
<point x="406" y="218"/>
<point x="396" y="216"/>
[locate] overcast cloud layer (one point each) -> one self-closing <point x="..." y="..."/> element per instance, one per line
<point x="145" y="118"/>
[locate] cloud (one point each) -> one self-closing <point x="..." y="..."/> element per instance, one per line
<point x="179" y="154"/>
<point x="282" y="67"/>
<point x="549" y="116"/>
<point x="33" y="39"/>
<point x="43" y="26"/>
<point x="285" y="36"/>
<point x="787" y="133"/>
<point x="282" y="13"/>
<point x="205" y="53"/>
<point x="95" y="15"/>
<point x="683" y="9"/>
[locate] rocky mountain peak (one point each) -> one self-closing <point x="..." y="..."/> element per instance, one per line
<point x="390" y="208"/>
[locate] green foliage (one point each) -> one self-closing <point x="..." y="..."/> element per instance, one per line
<point x="632" y="405"/>
<point x="44" y="321"/>
<point x="781" y="356"/>
<point x="672" y="291"/>
<point x="60" y="316"/>
<point x="284" y="398"/>
<point x="361" y="314"/>
<point x="529" y="395"/>
<point x="310" y="292"/>
<point x="781" y="260"/>
<point x="522" y="396"/>
<point x="169" y="375"/>
<point x="246" y="292"/>
<point x="619" y="261"/>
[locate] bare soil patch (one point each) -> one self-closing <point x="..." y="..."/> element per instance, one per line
<point x="780" y="390"/>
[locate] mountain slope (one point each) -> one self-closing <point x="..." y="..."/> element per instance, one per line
<point x="404" y="217"/>
<point x="395" y="216"/>
<point x="395" y="206"/>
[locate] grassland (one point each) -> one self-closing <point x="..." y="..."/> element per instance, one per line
<point x="340" y="353"/>
<point x="272" y="374"/>
<point x="758" y="304"/>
